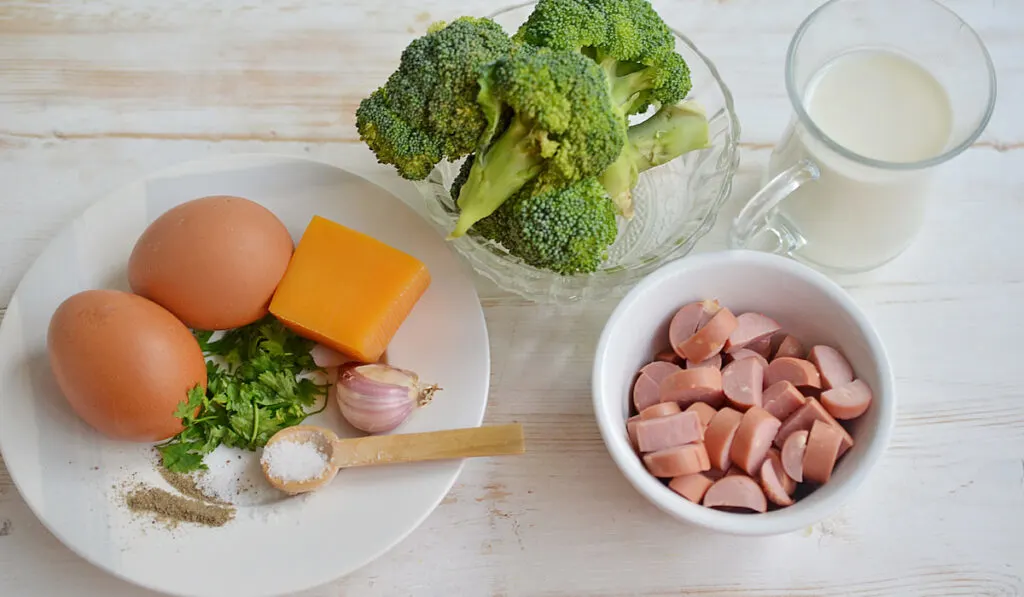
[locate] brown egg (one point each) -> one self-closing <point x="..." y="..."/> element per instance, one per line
<point x="213" y="262"/>
<point x="123" y="363"/>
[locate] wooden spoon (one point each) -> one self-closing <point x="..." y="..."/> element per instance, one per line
<point x="499" y="440"/>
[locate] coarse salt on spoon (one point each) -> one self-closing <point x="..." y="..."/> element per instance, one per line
<point x="306" y="457"/>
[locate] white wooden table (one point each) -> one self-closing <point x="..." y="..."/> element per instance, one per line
<point x="95" y="94"/>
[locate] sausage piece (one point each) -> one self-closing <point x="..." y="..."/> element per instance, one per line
<point x="683" y="460"/>
<point x="704" y="412"/>
<point x="762" y="347"/>
<point x="751" y="327"/>
<point x="782" y="399"/>
<point x="790" y="347"/>
<point x="793" y="455"/>
<point x="645" y="392"/>
<point x="687" y="386"/>
<point x="833" y="368"/>
<point x="822" y="451"/>
<point x="753" y="439"/>
<point x="715" y="362"/>
<point x="788" y="483"/>
<point x="692" y="487"/>
<point x="803" y="419"/>
<point x="659" y="370"/>
<point x="777" y="486"/>
<point x="667" y="432"/>
<point x="736" y="491"/>
<point x="798" y="372"/>
<point x="848" y="401"/>
<point x="746" y="353"/>
<point x="631" y="431"/>
<point x="720" y="435"/>
<point x="710" y="339"/>
<point x="661" y="409"/>
<point x="688" y="320"/>
<point x="742" y="382"/>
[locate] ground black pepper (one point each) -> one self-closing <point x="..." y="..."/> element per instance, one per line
<point x="174" y="509"/>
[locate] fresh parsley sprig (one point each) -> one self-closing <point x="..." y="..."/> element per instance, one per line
<point x="253" y="395"/>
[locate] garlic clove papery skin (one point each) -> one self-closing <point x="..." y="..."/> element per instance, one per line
<point x="376" y="398"/>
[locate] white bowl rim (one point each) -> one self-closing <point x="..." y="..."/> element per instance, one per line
<point x="780" y="521"/>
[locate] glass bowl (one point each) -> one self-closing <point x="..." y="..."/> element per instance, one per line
<point x="675" y="204"/>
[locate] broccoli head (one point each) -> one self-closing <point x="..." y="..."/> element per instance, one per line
<point x="560" y="120"/>
<point x="564" y="229"/>
<point x="626" y="37"/>
<point x="427" y="110"/>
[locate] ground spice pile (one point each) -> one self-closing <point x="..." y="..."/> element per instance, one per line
<point x="174" y="509"/>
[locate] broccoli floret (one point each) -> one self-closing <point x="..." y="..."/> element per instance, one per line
<point x="672" y="131"/>
<point x="561" y="121"/>
<point x="427" y="109"/>
<point x="626" y="37"/>
<point x="565" y="229"/>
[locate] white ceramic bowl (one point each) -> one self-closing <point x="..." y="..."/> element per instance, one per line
<point x="808" y="305"/>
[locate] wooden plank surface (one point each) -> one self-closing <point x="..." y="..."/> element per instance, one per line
<point x="96" y="94"/>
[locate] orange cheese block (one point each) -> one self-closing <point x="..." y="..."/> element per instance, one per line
<point x="348" y="291"/>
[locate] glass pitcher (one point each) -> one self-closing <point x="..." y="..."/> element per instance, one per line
<point x="882" y="93"/>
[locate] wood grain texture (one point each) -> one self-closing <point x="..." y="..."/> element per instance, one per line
<point x="96" y="94"/>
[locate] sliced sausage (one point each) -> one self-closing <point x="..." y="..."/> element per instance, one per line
<point x="790" y="347"/>
<point x="645" y="392"/>
<point x="631" y="431"/>
<point x="687" y="386"/>
<point x="715" y="362"/>
<point x="782" y="399"/>
<point x="804" y="418"/>
<point x="736" y="491"/>
<point x="793" y="455"/>
<point x="846" y="402"/>
<point x="753" y="438"/>
<point x="751" y="327"/>
<point x="710" y="339"/>
<point x="719" y="437"/>
<point x="683" y="460"/>
<point x="692" y="487"/>
<point x="788" y="483"/>
<point x="798" y="372"/>
<point x="667" y="432"/>
<point x="822" y="451"/>
<point x="659" y="370"/>
<point x="661" y="409"/>
<point x="833" y="368"/>
<point x="777" y="486"/>
<point x="711" y="306"/>
<point x="735" y="470"/>
<point x="687" y="321"/>
<point x="704" y="411"/>
<point x="667" y="356"/>
<point x="746" y="353"/>
<point x="742" y="383"/>
<point x="762" y="347"/>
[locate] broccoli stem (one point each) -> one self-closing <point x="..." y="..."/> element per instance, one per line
<point x="497" y="173"/>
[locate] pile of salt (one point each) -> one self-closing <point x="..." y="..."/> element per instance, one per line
<point x="294" y="461"/>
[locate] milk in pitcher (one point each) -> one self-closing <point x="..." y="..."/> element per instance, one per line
<point x="882" y="106"/>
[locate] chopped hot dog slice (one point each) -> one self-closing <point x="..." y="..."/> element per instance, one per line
<point x="788" y="483"/>
<point x="746" y="353"/>
<point x="645" y="392"/>
<point x="676" y="462"/>
<point x="793" y="455"/>
<point x="631" y="431"/>
<point x="667" y="432"/>
<point x="751" y="327"/>
<point x="804" y="418"/>
<point x="692" y="385"/>
<point x="736" y="491"/>
<point x="692" y="487"/>
<point x="798" y="372"/>
<point x="719" y="437"/>
<point x="659" y="370"/>
<point x="790" y="347"/>
<point x="848" y="401"/>
<point x="834" y="369"/>
<point x="742" y="382"/>
<point x="661" y="409"/>
<point x="762" y="347"/>
<point x="782" y="399"/>
<point x="715" y="362"/>
<point x="711" y="306"/>
<point x="822" y="451"/>
<point x="704" y="412"/>
<point x="687" y="321"/>
<point x="710" y="339"/>
<point x="777" y="486"/>
<point x="753" y="438"/>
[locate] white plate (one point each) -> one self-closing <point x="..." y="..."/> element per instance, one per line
<point x="65" y="470"/>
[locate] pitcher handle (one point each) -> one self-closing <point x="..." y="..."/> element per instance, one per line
<point x="754" y="217"/>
